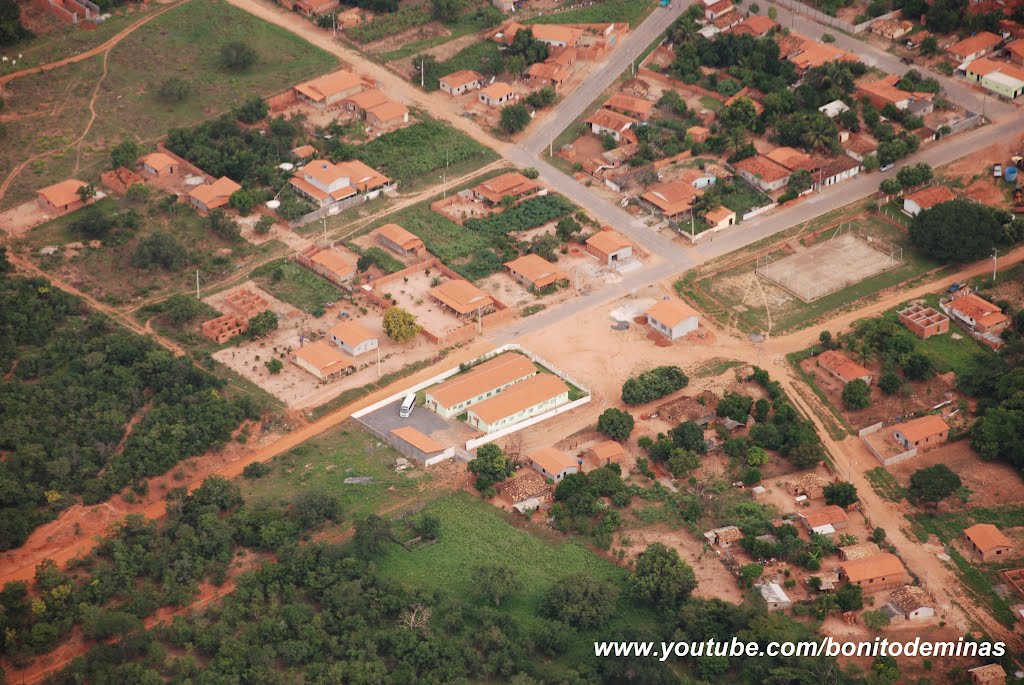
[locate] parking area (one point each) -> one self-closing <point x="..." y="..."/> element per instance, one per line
<point x="448" y="433"/>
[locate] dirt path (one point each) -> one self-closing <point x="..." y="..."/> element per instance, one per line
<point x="441" y="108"/>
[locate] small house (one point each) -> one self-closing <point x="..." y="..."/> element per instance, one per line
<point x="720" y="217"/>
<point x="987" y="541"/>
<point x="333" y="265"/>
<point x="399" y="240"/>
<point x="353" y="338"/>
<point x="462" y="298"/>
<point x="609" y="247"/>
<point x="496" y="94"/>
<point x="321" y="359"/>
<point x="387" y="114"/>
<point x="922" y="433"/>
<point x="990" y="674"/>
<point x="924" y="322"/>
<point x="774" y="595"/>
<point x="535" y="272"/>
<point x="913" y="602"/>
<point x="159" y="164"/>
<point x="973" y="47"/>
<point x="763" y="172"/>
<point x="673" y="318"/>
<point x="874" y="574"/>
<point x="977" y="313"/>
<point x="831" y="515"/>
<point x="605" y="121"/>
<point x="213" y="195"/>
<point x="607" y="452"/>
<point x="461" y="82"/>
<point x="926" y="198"/>
<point x="841" y="367"/>
<point x="631" y="106"/>
<point x="61" y="197"/>
<point x="553" y="464"/>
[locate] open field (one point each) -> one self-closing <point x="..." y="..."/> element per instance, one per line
<point x="631" y="12"/>
<point x="297" y="285"/>
<point x="51" y="111"/>
<point x="733" y="293"/>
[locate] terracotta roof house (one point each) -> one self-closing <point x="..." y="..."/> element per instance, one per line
<point x="990" y="674"/>
<point x="213" y="195"/>
<point x="631" y="106"/>
<point x="698" y="134"/>
<point x="607" y="452"/>
<point x="609" y="247"/>
<point x="926" y="198"/>
<point x="365" y="100"/>
<point x="924" y="322"/>
<point x="535" y="272"/>
<point x="425" y="445"/>
<point x="325" y="183"/>
<point x="159" y="164"/>
<point x="720" y="217"/>
<point x="673" y="318"/>
<point x="828" y="171"/>
<point x="791" y="158"/>
<point x="842" y="367"/>
<point x="303" y="152"/>
<point x="922" y="433"/>
<point x="978" y="314"/>
<point x="814" y="54"/>
<point x="547" y="74"/>
<point x="757" y="25"/>
<point x="526" y="486"/>
<point x="614" y="124"/>
<point x="398" y="239"/>
<point x="886" y="91"/>
<point x="312" y="8"/>
<point x="831" y="515"/>
<point x="498" y="93"/>
<point x="484" y="380"/>
<point x="531" y="397"/>
<point x="987" y="541"/>
<point x="512" y="184"/>
<point x="763" y="172"/>
<point x="859" y="146"/>
<point x="390" y="113"/>
<point x="321" y="359"/>
<point x="1015" y="50"/>
<point x="673" y="200"/>
<point x="913" y="602"/>
<point x="975" y="46"/>
<point x="880" y="572"/>
<point x="553" y="464"/>
<point x="725" y="537"/>
<point x="463" y="298"/>
<point x="859" y="551"/>
<point x="809" y="484"/>
<point x="353" y="338"/>
<point x="330" y="88"/>
<point x="61" y="197"/>
<point x="333" y="265"/>
<point x="556" y="35"/>
<point x="460" y="82"/>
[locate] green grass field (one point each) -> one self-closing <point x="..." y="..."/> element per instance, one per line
<point x="473" y="533"/>
<point x="631" y="12"/>
<point x="325" y="461"/>
<point x="296" y="285"/>
<point x="50" y="111"/>
<point x="885" y="484"/>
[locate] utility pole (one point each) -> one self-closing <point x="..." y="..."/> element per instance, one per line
<point x="995" y="262"/>
<point x="423" y="72"/>
<point x="378" y="362"/>
<point x="197" y="284"/>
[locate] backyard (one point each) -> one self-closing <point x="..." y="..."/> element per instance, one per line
<point x="296" y="285"/>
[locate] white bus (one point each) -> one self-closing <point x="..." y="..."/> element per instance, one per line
<point x="407" y="405"/>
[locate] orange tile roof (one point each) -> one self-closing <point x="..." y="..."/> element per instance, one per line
<point x="329" y="85"/>
<point x="63" y="193"/>
<point x="672" y="198"/>
<point x="424" y="443"/>
<point x="1016" y="48"/>
<point x="815" y="54"/>
<point x="718" y="215"/>
<point x="216" y="194"/>
<point x="501" y="370"/>
<point x="608" y="241"/>
<point x="630" y="104"/>
<point x="547" y="71"/>
<point x="462" y="296"/>
<point x="512" y="183"/>
<point x="554" y="33"/>
<point x="841" y="365"/>
<point x="368" y="99"/>
<point x="606" y="118"/>
<point x="879" y="566"/>
<point x="362" y="176"/>
<point x="539" y="271"/>
<point x="389" y="111"/>
<point x="824" y="516"/>
<point x="755" y="24"/>
<point x="860" y="144"/>
<point x="519" y="397"/>
<point x="671" y="312"/>
<point x="984" y="66"/>
<point x="335" y="262"/>
<point x="972" y="44"/>
<point x="551" y="460"/>
<point x="763" y="168"/>
<point x="985" y="536"/>
<point x="497" y="90"/>
<point x="981" y="310"/>
<point x="351" y="333"/>
<point x="887" y="89"/>
<point x="926" y="198"/>
<point x="158" y="161"/>
<point x="400" y="236"/>
<point x="923" y="427"/>
<point x="609" y="449"/>
<point x="325" y="357"/>
<point x="463" y="77"/>
<point x="304" y="151"/>
<point x="789" y="157"/>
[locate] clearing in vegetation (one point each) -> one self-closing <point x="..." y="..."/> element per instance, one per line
<point x="296" y="285"/>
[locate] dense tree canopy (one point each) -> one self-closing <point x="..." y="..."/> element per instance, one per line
<point x="956" y="231"/>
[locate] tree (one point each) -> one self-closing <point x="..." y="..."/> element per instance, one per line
<point x="749" y="573"/>
<point x="652" y="384"/>
<point x="875" y="620"/>
<point x="840" y="494"/>
<point x="400" y="325"/>
<point x="223" y="225"/>
<point x="577" y="494"/>
<point x="661" y="578"/>
<point x="313" y="507"/>
<point x="371" y="536"/>
<point x="125" y="154"/>
<point x="805" y="456"/>
<point x="930" y="46"/>
<point x="263" y="225"/>
<point x="828" y="38"/>
<point x="445" y="11"/>
<point x="496" y="582"/>
<point x="159" y="249"/>
<point x="857" y="394"/>
<point x="890" y="383"/>
<point x="800" y="181"/>
<point x="616" y="424"/>
<point x="262" y="324"/>
<point x="934" y="483"/>
<point x="918" y="367"/>
<point x="890" y="186"/>
<point x="567" y="229"/>
<point x="938" y="232"/>
<point x="180" y="309"/>
<point x="490" y="466"/>
<point x="739" y="115"/>
<point x="541" y="98"/>
<point x="735" y="406"/>
<point x="581" y="601"/>
<point x="850" y="597"/>
<point x="86" y="192"/>
<point x="690" y="436"/>
<point x="514" y="117"/>
<point x="762" y="408"/>
<point x="237" y="56"/>
<point x="242" y="200"/>
<point x="174" y="90"/>
<point x="274" y="366"/>
<point x="773" y="13"/>
<point x="756" y="456"/>
<point x="252" y="110"/>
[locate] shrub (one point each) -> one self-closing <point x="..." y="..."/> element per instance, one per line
<point x="514" y="118"/>
<point x="237" y="56"/>
<point x="615" y="423"/>
<point x="160" y="249"/>
<point x="652" y="384"/>
<point x="856" y="394"/>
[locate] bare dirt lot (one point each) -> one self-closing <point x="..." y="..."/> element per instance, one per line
<point x="411" y="295"/>
<point x="991" y="482"/>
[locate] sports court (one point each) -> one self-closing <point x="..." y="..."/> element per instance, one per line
<point x="831" y="265"/>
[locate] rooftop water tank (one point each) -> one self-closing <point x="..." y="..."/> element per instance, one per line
<point x="1010" y="174"/>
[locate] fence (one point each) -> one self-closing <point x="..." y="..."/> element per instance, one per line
<point x="972" y="120"/>
<point x="407" y="449"/>
<point x="835" y="22"/>
<point x="329" y="210"/>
